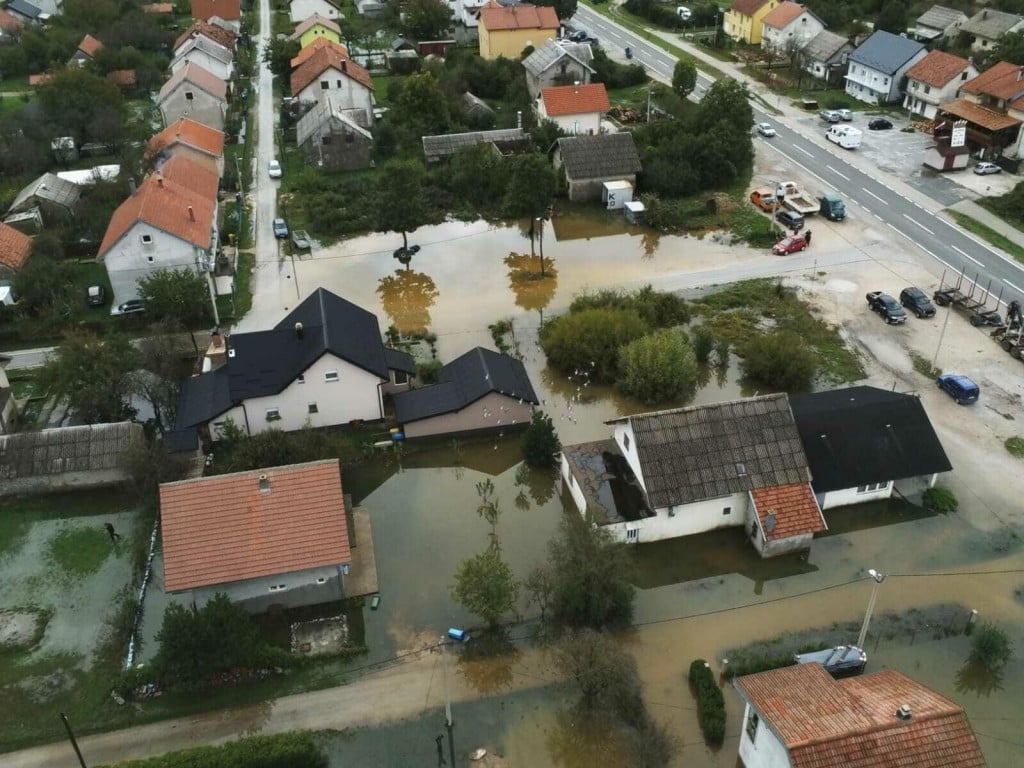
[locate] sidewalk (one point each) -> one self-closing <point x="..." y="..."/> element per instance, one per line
<point x="990" y="220"/>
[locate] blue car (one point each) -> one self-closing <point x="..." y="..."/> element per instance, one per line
<point x="960" y="388"/>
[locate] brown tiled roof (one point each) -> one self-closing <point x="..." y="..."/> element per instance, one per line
<point x="164" y="205"/>
<point x="190" y="175"/>
<point x="323" y="59"/>
<point x="311" y="22"/>
<point x="937" y="68"/>
<point x="158" y="8"/>
<point x="500" y="17"/>
<point x="202" y="78"/>
<point x="14" y="247"/>
<point x="575" y="99"/>
<point x="125" y="78"/>
<point x="783" y="14"/>
<point x="988" y="119"/>
<point x="190" y="133"/>
<point x="10" y="23"/>
<point x="852" y="723"/>
<point x="794" y="509"/>
<point x="43" y="79"/>
<point x="1002" y="81"/>
<point x="224" y="528"/>
<point x="318" y="44"/>
<point x="229" y="10"/>
<point x="747" y="7"/>
<point x="90" y="46"/>
<point x="219" y="35"/>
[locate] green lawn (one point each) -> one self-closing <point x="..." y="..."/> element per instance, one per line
<point x="989" y="235"/>
<point x="11" y="104"/>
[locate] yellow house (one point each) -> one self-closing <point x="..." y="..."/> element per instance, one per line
<point x="745" y="20"/>
<point x="507" y="30"/>
<point x="314" y="28"/>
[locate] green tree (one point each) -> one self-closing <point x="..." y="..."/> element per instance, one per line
<point x="684" y="77"/>
<point x="657" y="367"/>
<point x="427" y="19"/>
<point x="991" y="647"/>
<point x="531" y="188"/>
<point x="81" y="104"/>
<point x="279" y="53"/>
<point x="1009" y="48"/>
<point x="422" y="107"/>
<point x="726" y="101"/>
<point x="565" y="9"/>
<point x="588" y="342"/>
<point x="540" y="441"/>
<point x="91" y="376"/>
<point x="485" y="586"/>
<point x="703" y="343"/>
<point x="403" y="203"/>
<point x="780" y="360"/>
<point x="176" y="294"/>
<point x="158" y="376"/>
<point x="892" y="17"/>
<point x="44" y="284"/>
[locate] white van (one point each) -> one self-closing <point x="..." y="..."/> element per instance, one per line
<point x="846" y="136"/>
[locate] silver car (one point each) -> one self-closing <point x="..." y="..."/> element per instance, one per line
<point x="984" y="168"/>
<point x="766" y="130"/>
<point x="845" y="115"/>
<point x="830" y="116"/>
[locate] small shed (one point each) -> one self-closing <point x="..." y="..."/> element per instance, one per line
<point x="634" y="211"/>
<point x="435" y="47"/>
<point x="615" y="194"/>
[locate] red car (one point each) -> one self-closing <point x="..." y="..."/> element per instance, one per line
<point x="789" y="245"/>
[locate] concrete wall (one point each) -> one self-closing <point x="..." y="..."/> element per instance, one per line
<point x="574" y="488"/>
<point x="471" y="418"/>
<point x="557" y="74"/>
<point x="589" y="190"/>
<point x="345" y="92"/>
<point x="203" y="108"/>
<point x="130" y="259"/>
<point x="301" y="588"/>
<point x="354" y="396"/>
<point x="206" y="61"/>
<point x="765" y="750"/>
<point x="66" y="481"/>
<point x="778" y="546"/>
<point x="847" y="496"/>
<point x="303" y="9"/>
<point x="511" y="42"/>
<point x="685" y="520"/>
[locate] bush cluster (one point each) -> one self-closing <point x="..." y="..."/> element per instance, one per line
<point x="710" y="702"/>
<point x="940" y="500"/>
<point x="296" y="749"/>
<point x="704" y="15"/>
<point x="615" y="75"/>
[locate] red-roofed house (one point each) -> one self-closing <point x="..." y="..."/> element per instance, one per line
<point x="789" y="26"/>
<point x="315" y="28"/>
<point x="187" y="138"/>
<point x="215" y="58"/>
<point x="800" y="716"/>
<point x="15" y="247"/>
<point x="125" y="79"/>
<point x="993" y="106"/>
<point x="330" y="72"/>
<point x="319" y="44"/>
<point x="195" y="93"/>
<point x="745" y="19"/>
<point x="86" y="51"/>
<point x="165" y="224"/>
<point x="505" y="30"/>
<point x="223" y="37"/>
<point x="223" y="13"/>
<point x="268" y="537"/>
<point x="934" y="80"/>
<point x="576" y="109"/>
<point x="10" y="26"/>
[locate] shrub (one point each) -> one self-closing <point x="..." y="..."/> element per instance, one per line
<point x="656" y="308"/>
<point x="540" y="441"/>
<point x="427" y="372"/>
<point x="296" y="749"/>
<point x="940" y="500"/>
<point x="710" y="702"/>
<point x="991" y="647"/>
<point x="780" y="360"/>
<point x="1015" y="445"/>
<point x="703" y="343"/>
<point x="588" y="342"/>
<point x="657" y="367"/>
<point x="722" y="352"/>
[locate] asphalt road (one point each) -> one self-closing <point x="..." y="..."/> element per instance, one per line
<point x="949" y="245"/>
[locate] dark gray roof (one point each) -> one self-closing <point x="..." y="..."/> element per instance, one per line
<point x="548" y="54"/>
<point x="436" y="147"/>
<point x="49" y="187"/>
<point x="860" y="435"/>
<point x="463" y="381"/>
<point x="181" y="440"/>
<point x="886" y="52"/>
<point x="710" y="451"/>
<point x="601" y="156"/>
<point x="939" y="17"/>
<point x="990" y="24"/>
<point x="824" y="45"/>
<point x="203" y="398"/>
<point x="27" y="10"/>
<point x="399" y="361"/>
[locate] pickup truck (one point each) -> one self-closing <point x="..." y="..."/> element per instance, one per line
<point x="887" y="307"/>
<point x="765" y="199"/>
<point x="796" y="199"/>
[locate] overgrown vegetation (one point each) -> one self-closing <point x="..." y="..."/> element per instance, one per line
<point x="710" y="702"/>
<point x="988" y="234"/>
<point x="924" y="366"/>
<point x="1009" y="206"/>
<point x="658" y="367"/>
<point x="991" y="647"/>
<point x="780" y="360"/>
<point x="295" y="749"/>
<point x="939" y="499"/>
<point x="1015" y="446"/>
<point x="238" y="452"/>
<point x="540" y="441"/>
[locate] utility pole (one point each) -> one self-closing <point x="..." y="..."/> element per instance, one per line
<point x="878" y="579"/>
<point x="449" y="723"/>
<point x="540" y="223"/>
<point x="74" y="743"/>
<point x="942" y="335"/>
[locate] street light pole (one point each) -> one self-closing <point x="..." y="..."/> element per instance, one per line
<point x="74" y="742"/>
<point x="447" y="693"/>
<point x="878" y="579"/>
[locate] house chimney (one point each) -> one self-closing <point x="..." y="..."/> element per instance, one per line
<point x="264" y="484"/>
<point x="133" y="187"/>
<point x="191" y="214"/>
<point x="576" y="85"/>
<point x="216" y="340"/>
<point x="159" y="179"/>
<point x="903" y="713"/>
<point x="298" y="331"/>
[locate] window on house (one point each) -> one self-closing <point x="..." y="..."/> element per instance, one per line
<point x="330" y="376"/>
<point x="325" y="85"/>
<point x="325" y="139"/>
<point x="726" y="510"/>
<point x="188" y="95"/>
<point x="963" y="76"/>
<point x="277" y="587"/>
<point x="302" y="378"/>
<point x="149" y="259"/>
<point x="927" y="88"/>
<point x="625" y="441"/>
<point x="338" y="83"/>
<point x="321" y="580"/>
<point x="401" y="377"/>
<point x="752" y="723"/>
<point x="273" y="414"/>
<point x="147" y="239"/>
<point x="914" y="86"/>
<point x="312" y="407"/>
<point x="349" y="138"/>
<point x="872" y="487"/>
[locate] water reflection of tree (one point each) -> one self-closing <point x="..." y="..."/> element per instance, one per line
<point x="583" y="740"/>
<point x="651" y="239"/>
<point x="532" y="291"/>
<point x="407" y="297"/>
<point x="977" y="678"/>
<point x="487" y="662"/>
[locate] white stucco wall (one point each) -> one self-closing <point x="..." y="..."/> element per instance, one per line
<point x="345" y="92"/>
<point x="303" y="9"/>
<point x="130" y="259"/>
<point x="575" y="125"/>
<point x="301" y="588"/>
<point x="206" y="61"/>
<point x="623" y="436"/>
<point x="685" y="520"/>
<point x="355" y="395"/>
<point x="849" y="496"/>
<point x="203" y="108"/>
<point x="574" y="489"/>
<point x="866" y="84"/>
<point x="765" y="750"/>
<point x="923" y="99"/>
<point x="803" y="29"/>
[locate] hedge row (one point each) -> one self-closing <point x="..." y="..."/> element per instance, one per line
<point x="287" y="750"/>
<point x="710" y="702"/>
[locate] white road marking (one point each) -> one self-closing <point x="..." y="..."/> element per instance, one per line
<point x="801" y="149"/>
<point x="837" y="173"/>
<point x="874" y="196"/>
<point x="922" y="226"/>
<point x="966" y="255"/>
<point x="1015" y="287"/>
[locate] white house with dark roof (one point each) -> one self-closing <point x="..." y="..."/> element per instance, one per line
<point x="825" y="56"/>
<point x="935" y="80"/>
<point x="590" y="161"/>
<point x="937" y="25"/>
<point x="689" y="470"/>
<point x="877" y="67"/>
<point x="558" y="62"/>
<point x="324" y="364"/>
<point x="986" y="27"/>
<point x="865" y="443"/>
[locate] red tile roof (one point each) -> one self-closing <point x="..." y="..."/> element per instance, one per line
<point x="495" y="17"/>
<point x="1002" y="80"/>
<point x="158" y="8"/>
<point x="747" y="7"/>
<point x="223" y="528"/>
<point x="90" y="46"/>
<point x="575" y="100"/>
<point x="852" y="723"/>
<point x="316" y="45"/>
<point x="311" y="22"/>
<point x="229" y="10"/>
<point x="189" y="133"/>
<point x="219" y="35"/>
<point x="783" y="14"/>
<point x="202" y="78"/>
<point x="937" y="68"/>
<point x="320" y="61"/>
<point x="15" y="247"/>
<point x="190" y="175"/>
<point x="125" y="78"/>
<point x="988" y="119"/>
<point x="43" y="79"/>
<point x="795" y="510"/>
<point x="10" y="23"/>
<point x="165" y="205"/>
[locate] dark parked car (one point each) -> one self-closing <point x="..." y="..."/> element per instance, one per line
<point x="95" y="295"/>
<point x="887" y="307"/>
<point x="879" y="124"/>
<point x="130" y="307"/>
<point x="790" y="220"/>
<point x="917" y="301"/>
<point x="841" y="661"/>
<point x="960" y="388"/>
